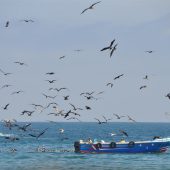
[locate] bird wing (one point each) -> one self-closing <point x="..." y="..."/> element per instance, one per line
<point x="105" y="48"/>
<point x="84" y="10"/>
<point x="111" y="53"/>
<point x="73" y="106"/>
<point x="112" y="43"/>
<point x="95" y="3"/>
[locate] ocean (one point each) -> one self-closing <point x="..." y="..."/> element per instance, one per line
<point x="55" y="151"/>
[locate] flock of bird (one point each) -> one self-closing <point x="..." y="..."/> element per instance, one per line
<point x="74" y="113"/>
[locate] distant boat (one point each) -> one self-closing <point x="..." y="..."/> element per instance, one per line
<point x="153" y="146"/>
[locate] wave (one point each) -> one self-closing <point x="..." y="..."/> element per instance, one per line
<point x="5" y="135"/>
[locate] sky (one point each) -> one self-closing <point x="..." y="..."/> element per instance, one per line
<point x="58" y="30"/>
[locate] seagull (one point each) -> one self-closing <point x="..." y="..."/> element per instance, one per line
<point x="74" y="118"/>
<point x="27" y="20"/>
<point x="52" y="97"/>
<point x="131" y="118"/>
<point x="62" y="88"/>
<point x="117" y="116"/>
<point x="66" y="97"/>
<point x="6" y="106"/>
<point x="168" y="95"/>
<point x="112" y="133"/>
<point x="17" y="92"/>
<point x="20" y="63"/>
<point x="99" y="122"/>
<point x="29" y="113"/>
<point x="150" y="51"/>
<point x="75" y="108"/>
<point x="53" y="103"/>
<point x="62" y="57"/>
<point x="5" y="74"/>
<point x="9" y="124"/>
<point x="55" y="114"/>
<point x="50" y="73"/>
<point x="7" y="24"/>
<point x="101" y="92"/>
<point x="113" y="49"/>
<point x="91" y="7"/>
<point x="106" y="119"/>
<point x="118" y="76"/>
<point x="123" y="132"/>
<point x="6" y="85"/>
<point x="67" y="114"/>
<point x="40" y="134"/>
<point x="24" y="127"/>
<point x="90" y="97"/>
<point x="61" y="130"/>
<point x="51" y="81"/>
<point x="142" y="87"/>
<point x="38" y="107"/>
<point x="88" y="93"/>
<point x="109" y="47"/>
<point x="146" y="77"/>
<point x="111" y="84"/>
<point x="88" y="108"/>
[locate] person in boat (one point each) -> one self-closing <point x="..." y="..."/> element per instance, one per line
<point x="156" y="137"/>
<point x="122" y="140"/>
<point x="89" y="141"/>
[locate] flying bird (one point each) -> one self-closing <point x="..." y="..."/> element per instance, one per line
<point x="66" y="97"/>
<point x="149" y="51"/>
<point x="40" y="134"/>
<point x="117" y="116"/>
<point x="168" y="95"/>
<point x="73" y="118"/>
<point x="100" y="122"/>
<point x="109" y="47"/>
<point x="131" y="119"/>
<point x="20" y="63"/>
<point x="146" y="77"/>
<point x="113" y="49"/>
<point x="90" y="7"/>
<point x="75" y="108"/>
<point x="62" y="57"/>
<point x="24" y="127"/>
<point x="29" y="113"/>
<point x="4" y="73"/>
<point x="6" y="106"/>
<point x="118" y="76"/>
<point x="141" y="87"/>
<point x="5" y="86"/>
<point x="50" y="73"/>
<point x="62" y="88"/>
<point x="17" y="92"/>
<point x="27" y="20"/>
<point x="124" y="133"/>
<point x="46" y="96"/>
<point x="7" y="24"/>
<point x="51" y="81"/>
<point x="88" y="108"/>
<point x="109" y="84"/>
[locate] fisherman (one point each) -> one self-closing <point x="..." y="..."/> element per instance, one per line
<point x="89" y="141"/>
<point x="122" y="140"/>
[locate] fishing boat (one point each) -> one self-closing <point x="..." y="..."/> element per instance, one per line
<point x="155" y="145"/>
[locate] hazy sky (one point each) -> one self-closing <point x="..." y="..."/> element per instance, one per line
<point x="59" y="29"/>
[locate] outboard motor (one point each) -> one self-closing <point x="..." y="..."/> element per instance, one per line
<point x="77" y="146"/>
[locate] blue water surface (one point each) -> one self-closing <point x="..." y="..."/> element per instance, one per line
<point x="54" y="150"/>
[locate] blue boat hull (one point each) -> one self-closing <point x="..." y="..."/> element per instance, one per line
<point x="133" y="147"/>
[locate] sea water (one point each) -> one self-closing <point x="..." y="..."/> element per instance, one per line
<point x="55" y="150"/>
